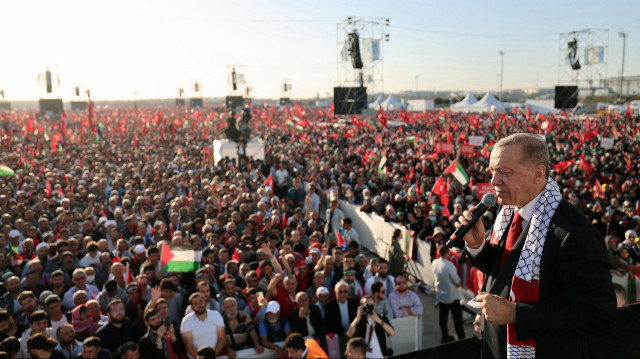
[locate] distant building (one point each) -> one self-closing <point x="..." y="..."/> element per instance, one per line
<point x="630" y="85"/>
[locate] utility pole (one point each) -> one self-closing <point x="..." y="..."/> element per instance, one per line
<point x="501" y="72"/>
<point x="623" y="35"/>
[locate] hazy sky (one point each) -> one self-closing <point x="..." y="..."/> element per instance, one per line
<point x="120" y="47"/>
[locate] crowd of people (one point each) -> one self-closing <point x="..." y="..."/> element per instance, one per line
<point x="96" y="196"/>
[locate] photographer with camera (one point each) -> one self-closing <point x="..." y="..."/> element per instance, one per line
<point x="373" y="328"/>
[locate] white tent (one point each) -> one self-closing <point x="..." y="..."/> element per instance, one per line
<point x="376" y="104"/>
<point x="391" y="104"/>
<point x="463" y="106"/>
<point x="544" y="107"/>
<point x="487" y="104"/>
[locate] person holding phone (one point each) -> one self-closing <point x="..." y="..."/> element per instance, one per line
<point x="161" y="340"/>
<point x="373" y="327"/>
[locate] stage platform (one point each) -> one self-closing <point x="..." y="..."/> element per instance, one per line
<point x="225" y="148"/>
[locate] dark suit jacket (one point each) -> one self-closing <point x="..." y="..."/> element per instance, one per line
<point x="577" y="304"/>
<point x="332" y="316"/>
<point x="299" y="325"/>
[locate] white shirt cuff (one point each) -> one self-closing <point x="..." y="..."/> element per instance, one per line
<point x="474" y="252"/>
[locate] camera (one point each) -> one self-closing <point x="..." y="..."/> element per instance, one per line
<point x="368" y="309"/>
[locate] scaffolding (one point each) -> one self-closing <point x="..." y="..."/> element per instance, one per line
<point x="372" y="36"/>
<point x="591" y="53"/>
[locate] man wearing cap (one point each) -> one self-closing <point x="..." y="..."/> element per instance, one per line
<point x="355" y="288"/>
<point x="322" y="299"/>
<point x="274" y="328"/>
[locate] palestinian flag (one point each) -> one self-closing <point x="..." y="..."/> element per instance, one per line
<point x="458" y="172"/>
<point x="383" y="162"/>
<point x="6" y="171"/>
<point x="410" y="139"/>
<point x="179" y="260"/>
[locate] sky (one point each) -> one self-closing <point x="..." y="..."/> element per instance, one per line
<point x="126" y="49"/>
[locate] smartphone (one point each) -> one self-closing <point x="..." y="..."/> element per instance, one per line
<point x="166" y="322"/>
<point x="260" y="298"/>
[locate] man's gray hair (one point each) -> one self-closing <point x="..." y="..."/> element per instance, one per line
<point x="534" y="149"/>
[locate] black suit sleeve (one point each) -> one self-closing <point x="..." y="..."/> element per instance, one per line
<point x="484" y="259"/>
<point x="332" y="319"/>
<point x="298" y="325"/>
<point x="318" y="322"/>
<point x="583" y="303"/>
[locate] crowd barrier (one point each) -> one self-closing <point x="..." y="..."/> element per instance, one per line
<point x="375" y="235"/>
<point x="407" y="338"/>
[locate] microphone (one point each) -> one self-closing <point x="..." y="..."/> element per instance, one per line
<point x="487" y="201"/>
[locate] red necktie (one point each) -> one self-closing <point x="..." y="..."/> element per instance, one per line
<point x="515" y="230"/>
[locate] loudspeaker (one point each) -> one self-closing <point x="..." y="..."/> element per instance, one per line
<point x="566" y="97"/>
<point x="195" y="102"/>
<point x="572" y="54"/>
<point x="79" y="105"/>
<point x="354" y="50"/>
<point x="285" y="101"/>
<point x="233" y="101"/>
<point x="50" y="105"/>
<point x="349" y="100"/>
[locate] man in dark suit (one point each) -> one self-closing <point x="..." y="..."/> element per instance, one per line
<point x="335" y="318"/>
<point x="307" y="316"/>
<point x="548" y="286"/>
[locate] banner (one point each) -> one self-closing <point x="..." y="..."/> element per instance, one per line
<point x="484" y="188"/>
<point x="606" y="142"/>
<point x="467" y="149"/>
<point x="445" y="148"/>
<point x="371" y="49"/>
<point x="477" y="141"/>
<point x="594" y="55"/>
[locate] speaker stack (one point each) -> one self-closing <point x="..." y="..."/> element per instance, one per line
<point x="349" y="100"/>
<point x="566" y="97"/>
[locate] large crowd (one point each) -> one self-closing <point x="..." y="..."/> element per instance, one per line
<point x="97" y="195"/>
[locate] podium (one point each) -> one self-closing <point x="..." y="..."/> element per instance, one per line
<point x="226" y="148"/>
